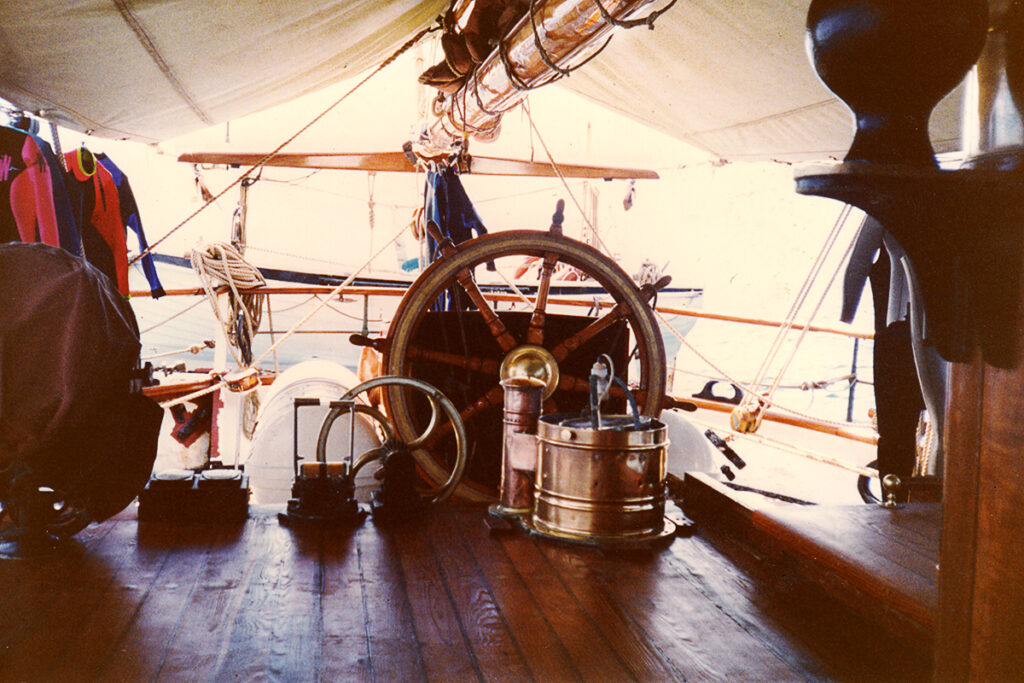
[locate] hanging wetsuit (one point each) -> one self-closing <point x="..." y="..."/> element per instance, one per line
<point x="66" y="225"/>
<point x="447" y="206"/>
<point x="131" y="220"/>
<point x="27" y="210"/>
<point x="98" y="212"/>
<point x="898" y="397"/>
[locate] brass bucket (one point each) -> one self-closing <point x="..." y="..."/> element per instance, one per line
<point x="603" y="484"/>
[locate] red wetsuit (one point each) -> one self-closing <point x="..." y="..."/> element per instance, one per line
<point x="29" y="214"/>
<point x="94" y="199"/>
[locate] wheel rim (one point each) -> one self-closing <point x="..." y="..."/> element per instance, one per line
<point x="406" y="355"/>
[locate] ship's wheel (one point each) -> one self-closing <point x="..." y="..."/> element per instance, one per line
<point x="487" y="331"/>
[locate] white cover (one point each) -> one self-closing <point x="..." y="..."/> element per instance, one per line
<point x="270" y="463"/>
<point x="729" y="76"/>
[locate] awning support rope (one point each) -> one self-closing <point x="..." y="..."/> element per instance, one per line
<point x="558" y="172"/>
<point x="259" y="164"/>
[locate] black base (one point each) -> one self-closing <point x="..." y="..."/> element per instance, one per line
<point x="198" y="500"/>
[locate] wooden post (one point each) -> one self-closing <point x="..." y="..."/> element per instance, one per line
<point x="981" y="577"/>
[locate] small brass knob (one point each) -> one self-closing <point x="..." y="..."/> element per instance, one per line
<point x="891" y="483"/>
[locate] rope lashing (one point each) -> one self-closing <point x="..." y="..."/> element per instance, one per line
<point x="546" y="58"/>
<point x="633" y="23"/>
<point x="194" y="349"/>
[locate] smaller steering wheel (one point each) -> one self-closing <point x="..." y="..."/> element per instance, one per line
<point x="437" y="400"/>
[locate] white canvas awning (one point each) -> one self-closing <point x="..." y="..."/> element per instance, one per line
<point x="728" y="76"/>
<point x="150" y="70"/>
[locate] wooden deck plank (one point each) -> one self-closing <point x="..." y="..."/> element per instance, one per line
<point x="496" y="651"/>
<point x="97" y="636"/>
<point x="879" y="563"/>
<point x="297" y="631"/>
<point x="28" y="584"/>
<point x="226" y="610"/>
<point x="199" y="643"/>
<point x="867" y="546"/>
<point x="141" y="648"/>
<point x="345" y="653"/>
<point x="543" y="649"/>
<point x="692" y="637"/>
<point x="392" y="616"/>
<point x="742" y="599"/>
<point x="434" y="598"/>
<point x="47" y="617"/>
<point x="598" y="641"/>
<point x="444" y="648"/>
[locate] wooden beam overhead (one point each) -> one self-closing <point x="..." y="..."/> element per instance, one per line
<point x="398" y="162"/>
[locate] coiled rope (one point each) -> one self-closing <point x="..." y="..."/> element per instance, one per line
<point x="222" y="263"/>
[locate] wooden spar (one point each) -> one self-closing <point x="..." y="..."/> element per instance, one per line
<point x="853" y="434"/>
<point x="763" y="322"/>
<point x="398" y="162"/>
<point x="566" y="30"/>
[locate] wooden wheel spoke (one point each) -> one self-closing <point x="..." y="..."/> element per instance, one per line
<point x="570" y="383"/>
<point x="483" y="365"/>
<point x="572" y="343"/>
<point x="535" y="332"/>
<point x="498" y="330"/>
<point x="469" y="413"/>
<point x="618" y="312"/>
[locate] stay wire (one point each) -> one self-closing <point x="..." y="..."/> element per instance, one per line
<point x="259" y="164"/>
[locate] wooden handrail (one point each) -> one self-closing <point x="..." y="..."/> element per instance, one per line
<point x="563" y="301"/>
<point x="793" y="420"/>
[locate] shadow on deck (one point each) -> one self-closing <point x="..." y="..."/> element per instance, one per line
<point x="437" y="598"/>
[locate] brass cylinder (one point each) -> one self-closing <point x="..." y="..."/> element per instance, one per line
<point x="600" y="484"/>
<point x="523" y="396"/>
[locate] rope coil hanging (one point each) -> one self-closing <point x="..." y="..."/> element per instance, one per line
<point x="222" y="263"/>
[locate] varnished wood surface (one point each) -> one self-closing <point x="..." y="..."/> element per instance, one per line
<point x="982" y="585"/>
<point x="437" y="598"/>
<point x="882" y="563"/>
<point x="891" y="555"/>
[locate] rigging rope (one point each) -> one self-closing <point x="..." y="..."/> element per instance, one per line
<point x="746" y="417"/>
<point x="176" y="315"/>
<point x="801" y="296"/>
<point x="194" y="349"/>
<point x="259" y="164"/>
<point x="747" y="387"/>
<point x="558" y="172"/>
<point x="814" y="313"/>
<point x="333" y="293"/>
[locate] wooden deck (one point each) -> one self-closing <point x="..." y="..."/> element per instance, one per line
<point x="438" y="598"/>
<point x="881" y="563"/>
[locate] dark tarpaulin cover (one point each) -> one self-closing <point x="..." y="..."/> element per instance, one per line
<point x="68" y="344"/>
